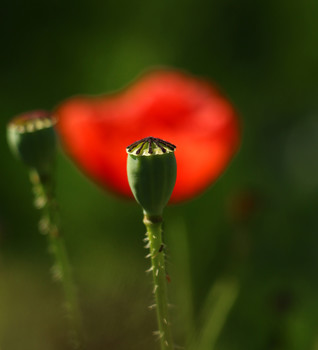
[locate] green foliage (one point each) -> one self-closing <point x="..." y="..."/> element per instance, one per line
<point x="258" y="223"/>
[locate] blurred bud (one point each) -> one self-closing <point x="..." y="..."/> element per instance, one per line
<point x="242" y="206"/>
<point x="32" y="139"/>
<point x="152" y="172"/>
<point x="282" y="301"/>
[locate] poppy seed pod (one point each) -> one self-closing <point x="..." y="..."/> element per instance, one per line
<point x="31" y="137"/>
<point x="152" y="172"/>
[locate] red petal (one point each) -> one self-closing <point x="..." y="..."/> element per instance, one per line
<point x="169" y="105"/>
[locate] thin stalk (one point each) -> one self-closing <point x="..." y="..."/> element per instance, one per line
<point x="215" y="311"/>
<point x="45" y="200"/>
<point x="157" y="255"/>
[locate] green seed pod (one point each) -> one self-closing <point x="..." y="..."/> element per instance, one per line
<point x="32" y="139"/>
<point x="152" y="172"/>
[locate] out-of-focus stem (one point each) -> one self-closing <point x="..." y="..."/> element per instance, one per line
<point x="45" y="200"/>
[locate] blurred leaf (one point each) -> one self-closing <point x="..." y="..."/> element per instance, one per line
<point x="215" y="311"/>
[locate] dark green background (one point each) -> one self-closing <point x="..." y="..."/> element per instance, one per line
<point x="257" y="225"/>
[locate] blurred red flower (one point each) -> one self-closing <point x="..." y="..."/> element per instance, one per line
<point x="170" y="105"/>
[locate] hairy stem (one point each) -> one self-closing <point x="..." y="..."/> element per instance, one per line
<point x="157" y="255"/>
<point x="49" y="225"/>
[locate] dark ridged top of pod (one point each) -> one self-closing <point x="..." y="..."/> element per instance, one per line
<point x="150" y="146"/>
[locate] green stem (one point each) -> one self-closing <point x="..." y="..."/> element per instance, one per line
<point x="157" y="255"/>
<point x="62" y="272"/>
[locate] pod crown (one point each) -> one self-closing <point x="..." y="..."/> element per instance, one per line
<point x="32" y="122"/>
<point x="149" y="146"/>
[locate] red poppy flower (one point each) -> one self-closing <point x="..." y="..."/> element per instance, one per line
<point x="170" y="105"/>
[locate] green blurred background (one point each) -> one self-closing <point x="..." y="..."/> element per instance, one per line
<point x="243" y="257"/>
